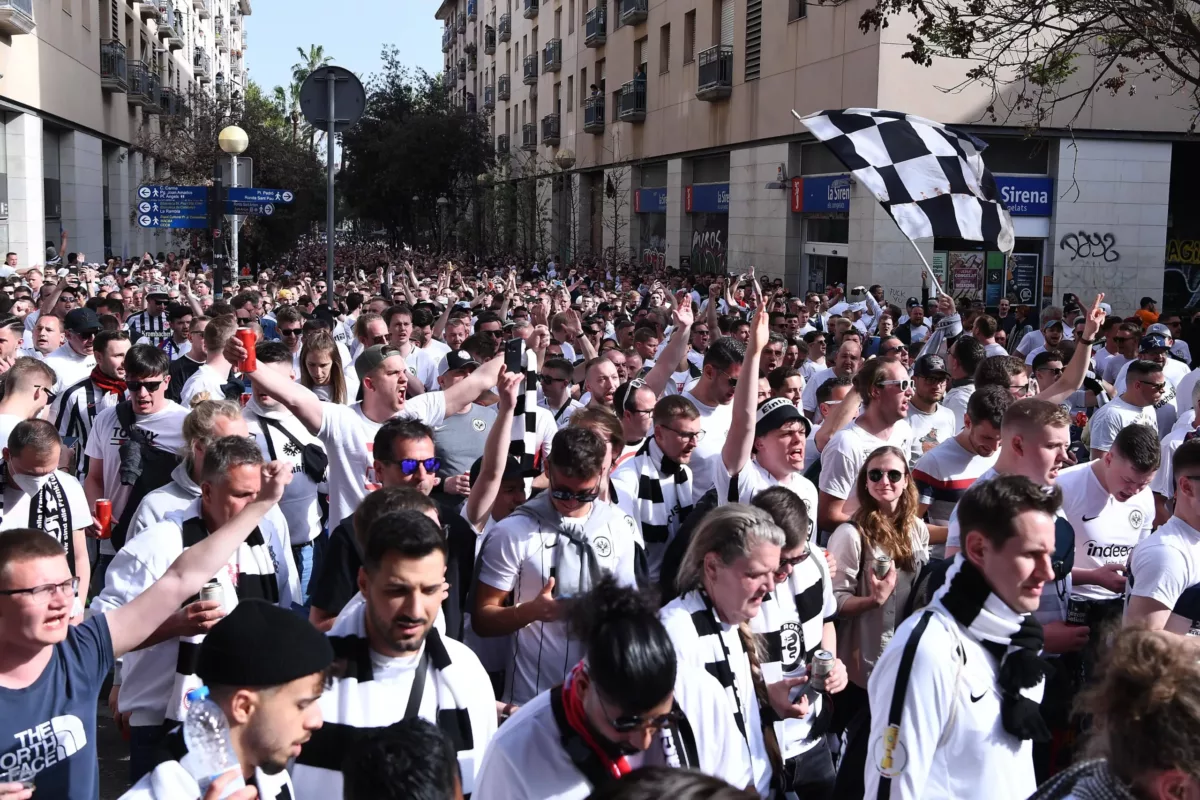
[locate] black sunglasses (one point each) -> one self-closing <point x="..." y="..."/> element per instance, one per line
<point x="563" y="496"/>
<point x="547" y="380"/>
<point x="290" y="331"/>
<point x="876" y="475"/>
<point x="149" y="386"/>
<point x="408" y="466"/>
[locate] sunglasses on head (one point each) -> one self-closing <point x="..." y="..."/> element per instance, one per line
<point x="149" y="386"/>
<point x="876" y="475"/>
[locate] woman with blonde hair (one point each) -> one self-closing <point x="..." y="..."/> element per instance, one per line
<point x="322" y="371"/>
<point x="880" y="553"/>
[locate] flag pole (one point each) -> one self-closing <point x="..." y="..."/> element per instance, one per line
<point x="937" y="287"/>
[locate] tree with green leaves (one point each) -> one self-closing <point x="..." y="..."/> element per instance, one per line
<point x="411" y="148"/>
<point x="1036" y="56"/>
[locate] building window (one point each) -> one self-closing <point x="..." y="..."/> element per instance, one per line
<point x="797" y="9"/>
<point x="664" y="48"/>
<point x="583" y="86"/>
<point x="689" y="37"/>
<point x="571" y="17"/>
<point x="570" y="92"/>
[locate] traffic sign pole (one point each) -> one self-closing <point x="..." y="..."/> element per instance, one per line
<point x="331" y="88"/>
<point x="233" y="238"/>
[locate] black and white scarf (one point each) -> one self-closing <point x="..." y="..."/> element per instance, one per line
<point x="49" y="511"/>
<point x="664" y="499"/>
<point x="355" y="704"/>
<point x="1014" y="639"/>
<point x="250" y="575"/>
<point x="173" y="778"/>
<point x="524" y="445"/>
<point x="1087" y="780"/>
<point x="720" y="648"/>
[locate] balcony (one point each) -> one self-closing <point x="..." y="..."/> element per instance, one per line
<point x="489" y="40"/>
<point x="245" y="41"/>
<point x="552" y="56"/>
<point x="472" y="107"/>
<point x="489" y="98"/>
<point x="202" y="65"/>
<point x="502" y="144"/>
<point x="462" y="67"/>
<point x="170" y="102"/>
<point x="716" y="73"/>
<point x="472" y="10"/>
<point x="531" y="70"/>
<point x="235" y="22"/>
<point x="139" y="84"/>
<point x="451" y="77"/>
<point x="16" y="17"/>
<point x="633" y="101"/>
<point x="202" y="8"/>
<point x="462" y="76"/>
<point x="169" y="22"/>
<point x="595" y="26"/>
<point x="447" y="38"/>
<point x="149" y="11"/>
<point x="505" y="27"/>
<point x="235" y="72"/>
<point x="551" y="127"/>
<point x="114" y="75"/>
<point x="634" y="11"/>
<point x="529" y="137"/>
<point x="154" y="90"/>
<point x="221" y="38"/>
<point x="531" y="9"/>
<point x="472" y="62"/>
<point x="462" y="24"/>
<point x="503" y="87"/>
<point x="593" y="114"/>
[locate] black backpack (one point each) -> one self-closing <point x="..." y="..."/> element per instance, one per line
<point x="143" y="466"/>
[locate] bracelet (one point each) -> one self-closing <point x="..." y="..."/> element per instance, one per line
<point x="1088" y="342"/>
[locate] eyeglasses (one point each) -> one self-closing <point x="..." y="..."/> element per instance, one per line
<point x="1019" y="391"/>
<point x="563" y="496"/>
<point x="84" y="336"/>
<point x="136" y="386"/>
<point x="876" y="475"/>
<point x="408" y="466"/>
<point x="550" y="380"/>
<point x="1121" y="339"/>
<point x="687" y="436"/>
<point x="732" y="380"/>
<point x="1158" y="387"/>
<point x="903" y="384"/>
<point x="43" y="593"/>
<point x="290" y="331"/>
<point x="497" y="334"/>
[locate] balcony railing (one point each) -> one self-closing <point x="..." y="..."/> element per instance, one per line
<point x="502" y="144"/>
<point x="462" y="66"/>
<point x="551" y="127"/>
<point x="596" y="26"/>
<point x="170" y="102"/>
<point x="221" y="37"/>
<point x="715" y="73"/>
<point x="462" y="23"/>
<point x="472" y="10"/>
<point x="451" y="77"/>
<point x="168" y="21"/>
<point x="235" y="72"/>
<point x="489" y="40"/>
<point x="489" y="98"/>
<point x="114" y="73"/>
<point x="552" y="56"/>
<point x="16" y="17"/>
<point x="593" y="114"/>
<point x="447" y="38"/>
<point x="503" y="87"/>
<point x="202" y="8"/>
<point x="139" y="84"/>
<point x="531" y="9"/>
<point x="154" y="89"/>
<point x="634" y="11"/>
<point x="202" y="65"/>
<point x="148" y="11"/>
<point x="471" y="105"/>
<point x="529" y="136"/>
<point x="633" y="101"/>
<point x="472" y="62"/>
<point x="531" y="70"/>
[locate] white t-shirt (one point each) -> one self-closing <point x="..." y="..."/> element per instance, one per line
<point x="1112" y="367"/>
<point x="1164" y="481"/>
<point x="809" y="397"/>
<point x="204" y="379"/>
<point x="1183" y="389"/>
<point x="956" y="400"/>
<point x="716" y="421"/>
<point x="1106" y="530"/>
<point x="299" y="502"/>
<point x="849" y="449"/>
<point x="349" y="439"/>
<point x="7" y="423"/>
<point x="526" y="758"/>
<point x="1115" y="415"/>
<point x="808" y="369"/>
<point x="69" y="367"/>
<point x="994" y="349"/>
<point x="753" y="479"/>
<point x="929" y="430"/>
<point x="517" y="558"/>
<point x="1165" y="563"/>
<point x="1030" y="342"/>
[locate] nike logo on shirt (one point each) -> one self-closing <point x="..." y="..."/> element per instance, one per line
<point x="1089" y="519"/>
<point x="975" y="699"/>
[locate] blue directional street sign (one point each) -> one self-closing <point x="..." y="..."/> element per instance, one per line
<point x="257" y="202"/>
<point x="172" y="207"/>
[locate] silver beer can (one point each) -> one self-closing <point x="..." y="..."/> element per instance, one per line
<point x="213" y="591"/>
<point x="883" y="563"/>
<point x="818" y="671"/>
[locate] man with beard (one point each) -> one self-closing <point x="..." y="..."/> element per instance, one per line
<point x="394" y="663"/>
<point x="845" y="364"/>
<point x="932" y="423"/>
<point x="265" y="667"/>
<point x="74" y="360"/>
<point x="600" y="381"/>
<point x="78" y="406"/>
<point x="654" y="486"/>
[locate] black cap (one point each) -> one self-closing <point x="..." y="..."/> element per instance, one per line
<point x="775" y="413"/>
<point x="460" y="359"/>
<point x="261" y="644"/>
<point x="512" y="470"/>
<point x="929" y="366"/>
<point x="82" y="320"/>
<point x="912" y="301"/>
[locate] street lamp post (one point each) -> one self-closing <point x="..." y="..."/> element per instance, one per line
<point x="565" y="159"/>
<point x="234" y="141"/>
<point x="443" y="211"/>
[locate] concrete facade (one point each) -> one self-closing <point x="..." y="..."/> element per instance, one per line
<point x="59" y="84"/>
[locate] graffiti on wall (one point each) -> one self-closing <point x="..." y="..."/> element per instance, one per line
<point x="710" y="237"/>
<point x="1183" y="251"/>
<point x="1094" y="246"/>
<point x="653" y="244"/>
<point x="1181" y="286"/>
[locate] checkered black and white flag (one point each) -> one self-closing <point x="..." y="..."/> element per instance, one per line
<point x="929" y="177"/>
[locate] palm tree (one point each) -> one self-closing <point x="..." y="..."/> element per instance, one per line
<point x="311" y="61"/>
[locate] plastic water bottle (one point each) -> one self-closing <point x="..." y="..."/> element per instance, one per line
<point x="206" y="734"/>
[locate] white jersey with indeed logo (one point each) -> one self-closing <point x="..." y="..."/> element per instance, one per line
<point x="1106" y="529"/>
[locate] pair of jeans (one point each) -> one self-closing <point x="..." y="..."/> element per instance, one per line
<point x="302" y="554"/>
<point x="146" y="749"/>
<point x="811" y="775"/>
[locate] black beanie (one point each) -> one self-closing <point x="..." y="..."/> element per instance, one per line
<point x="260" y="644"/>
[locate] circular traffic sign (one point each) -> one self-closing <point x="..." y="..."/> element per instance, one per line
<point x="349" y="98"/>
<point x="144" y="192"/>
<point x="144" y="221"/>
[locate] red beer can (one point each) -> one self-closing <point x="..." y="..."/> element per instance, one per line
<point x="104" y="517"/>
<point x="248" y="340"/>
<point x="245" y="398"/>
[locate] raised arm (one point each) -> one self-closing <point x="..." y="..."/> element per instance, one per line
<point x="1076" y="369"/>
<point x="740" y="442"/>
<point x="296" y="398"/>
<point x="50" y="300"/>
<point x="463" y="393"/>
<point x="495" y="454"/>
<point x="439" y="327"/>
<point x="132" y="623"/>
<point x="676" y="349"/>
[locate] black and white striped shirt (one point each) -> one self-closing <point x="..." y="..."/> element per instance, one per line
<point x="77" y="410"/>
<point x="155" y="328"/>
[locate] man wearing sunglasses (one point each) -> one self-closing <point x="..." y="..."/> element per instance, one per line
<point x="554" y="379"/>
<point x="152" y="323"/>
<point x="931" y="422"/>
<point x="74" y="360"/>
<point x="1156" y="346"/>
<point x="1127" y="337"/>
<point x="1135" y="406"/>
<point x="555" y="546"/>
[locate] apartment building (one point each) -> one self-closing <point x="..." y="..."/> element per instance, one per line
<point x="83" y="81"/>
<point x="663" y="129"/>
